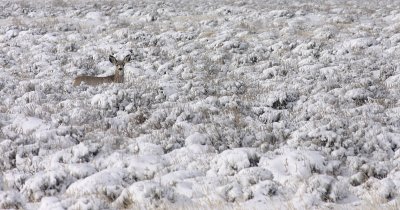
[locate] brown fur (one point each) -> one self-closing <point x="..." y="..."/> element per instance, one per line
<point x="117" y="77"/>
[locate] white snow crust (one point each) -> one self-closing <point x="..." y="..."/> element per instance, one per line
<point x="225" y="105"/>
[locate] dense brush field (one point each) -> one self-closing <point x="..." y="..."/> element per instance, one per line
<point x="226" y="104"/>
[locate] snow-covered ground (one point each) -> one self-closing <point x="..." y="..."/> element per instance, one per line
<point x="226" y="104"/>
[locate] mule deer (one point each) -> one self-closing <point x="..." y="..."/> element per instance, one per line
<point x="117" y="77"/>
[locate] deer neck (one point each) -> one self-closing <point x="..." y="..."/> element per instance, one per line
<point x="119" y="78"/>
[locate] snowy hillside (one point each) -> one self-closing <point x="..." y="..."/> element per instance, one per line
<point x="226" y="105"/>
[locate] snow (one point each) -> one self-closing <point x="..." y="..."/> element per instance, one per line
<point x="50" y="203"/>
<point x="108" y="182"/>
<point x="229" y="162"/>
<point x="196" y="138"/>
<point x="225" y="105"/>
<point x="11" y="200"/>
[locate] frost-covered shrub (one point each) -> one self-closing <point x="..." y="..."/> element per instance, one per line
<point x="82" y="115"/>
<point x="80" y="170"/>
<point x="45" y="184"/>
<point x="31" y="97"/>
<point x="265" y="140"/>
<point x="82" y="152"/>
<point x="385" y="189"/>
<point x="50" y="203"/>
<point x="87" y="203"/>
<point x="326" y="188"/>
<point x="77" y="154"/>
<point x="294" y="164"/>
<point x="360" y="43"/>
<point x="340" y="190"/>
<point x="392" y="81"/>
<point x="75" y="133"/>
<point x="222" y="102"/>
<point x="108" y="183"/>
<point x="273" y="71"/>
<point x="32" y="110"/>
<point x="14" y="179"/>
<point x="359" y="95"/>
<point x="358" y="178"/>
<point x="145" y="194"/>
<point x="234" y="192"/>
<point x="23" y="126"/>
<point x="265" y="188"/>
<point x="230" y="162"/>
<point x="157" y="119"/>
<point x="319" y="187"/>
<point x="232" y="88"/>
<point x="253" y="175"/>
<point x="105" y="101"/>
<point x="197" y="138"/>
<point x="87" y="65"/>
<point x="7" y="155"/>
<point x="281" y="100"/>
<point x="247" y="59"/>
<point x="25" y="87"/>
<point x="193" y="157"/>
<point x="11" y="200"/>
<point x="174" y="178"/>
<point x="270" y="115"/>
<point x="149" y="149"/>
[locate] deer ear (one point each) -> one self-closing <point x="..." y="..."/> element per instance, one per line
<point x="112" y="59"/>
<point x="127" y="58"/>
